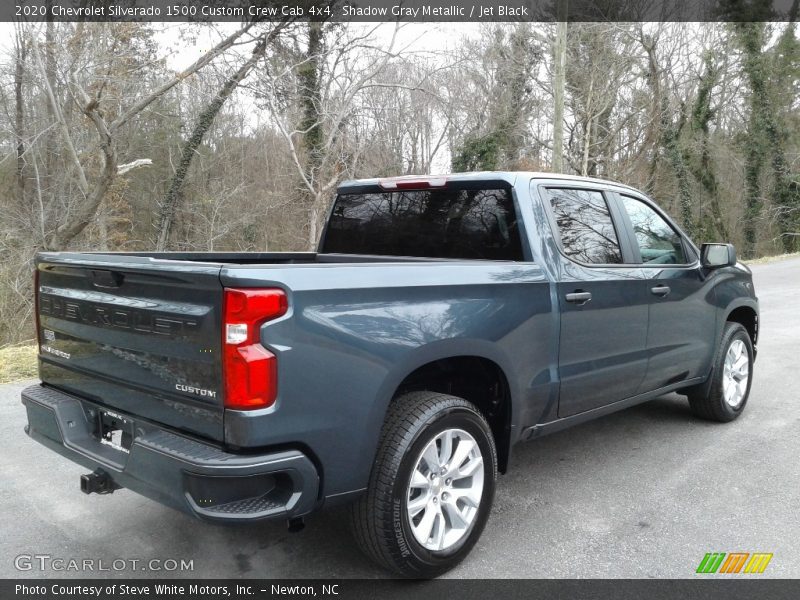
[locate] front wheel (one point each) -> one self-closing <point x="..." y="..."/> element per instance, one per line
<point x="431" y="487"/>
<point x="725" y="396"/>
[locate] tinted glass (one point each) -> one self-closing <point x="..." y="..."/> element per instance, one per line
<point x="587" y="232"/>
<point x="658" y="242"/>
<point x="445" y="223"/>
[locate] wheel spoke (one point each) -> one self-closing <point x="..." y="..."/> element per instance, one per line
<point x="418" y="480"/>
<point x="469" y="495"/>
<point x="472" y="465"/>
<point x="741" y="388"/>
<point x="425" y="526"/>
<point x="462" y="451"/>
<point x="439" y="532"/>
<point x="457" y="520"/>
<point x="446" y="450"/>
<point x="431" y="457"/>
<point x="417" y="505"/>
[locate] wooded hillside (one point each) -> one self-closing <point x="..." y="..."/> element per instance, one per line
<point x="106" y="146"/>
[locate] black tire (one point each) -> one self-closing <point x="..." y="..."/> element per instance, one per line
<point x="379" y="519"/>
<point x="708" y="400"/>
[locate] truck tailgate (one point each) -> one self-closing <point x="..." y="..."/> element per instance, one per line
<point x="137" y="334"/>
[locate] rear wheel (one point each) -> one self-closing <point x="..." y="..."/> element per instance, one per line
<point x="431" y="487"/>
<point x="724" y="398"/>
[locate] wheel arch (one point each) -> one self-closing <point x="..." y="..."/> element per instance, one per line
<point x="747" y="316"/>
<point x="474" y="370"/>
<point x="744" y="312"/>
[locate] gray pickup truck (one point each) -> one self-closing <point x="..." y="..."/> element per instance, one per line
<point x="443" y="320"/>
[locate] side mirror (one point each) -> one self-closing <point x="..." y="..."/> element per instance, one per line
<point x="716" y="256"/>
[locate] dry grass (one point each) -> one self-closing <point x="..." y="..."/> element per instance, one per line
<point x="771" y="259"/>
<point x="18" y="362"/>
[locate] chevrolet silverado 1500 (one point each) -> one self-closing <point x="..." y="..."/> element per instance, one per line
<point x="443" y="320"/>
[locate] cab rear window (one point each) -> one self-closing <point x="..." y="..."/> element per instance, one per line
<point x="437" y="223"/>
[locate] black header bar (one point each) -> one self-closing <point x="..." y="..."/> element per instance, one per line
<point x="398" y="10"/>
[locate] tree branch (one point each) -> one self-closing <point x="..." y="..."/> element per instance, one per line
<point x="191" y="70"/>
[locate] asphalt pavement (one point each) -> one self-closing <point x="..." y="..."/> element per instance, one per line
<point x="646" y="492"/>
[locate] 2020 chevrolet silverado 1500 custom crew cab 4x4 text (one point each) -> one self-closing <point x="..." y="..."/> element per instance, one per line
<point x="443" y="320"/>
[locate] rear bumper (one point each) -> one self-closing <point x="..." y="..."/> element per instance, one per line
<point x="174" y="470"/>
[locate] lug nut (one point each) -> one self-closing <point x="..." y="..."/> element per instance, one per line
<point x="445" y="496"/>
<point x="448" y="482"/>
<point x="435" y="500"/>
<point x="443" y="470"/>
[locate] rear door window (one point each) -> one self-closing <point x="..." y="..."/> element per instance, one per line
<point x="439" y="223"/>
<point x="585" y="226"/>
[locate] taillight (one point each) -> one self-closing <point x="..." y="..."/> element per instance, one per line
<point x="250" y="370"/>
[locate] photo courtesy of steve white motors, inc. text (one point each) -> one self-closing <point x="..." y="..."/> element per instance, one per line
<point x="143" y="590"/>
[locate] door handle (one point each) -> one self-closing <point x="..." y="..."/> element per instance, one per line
<point x="579" y="297"/>
<point x="660" y="290"/>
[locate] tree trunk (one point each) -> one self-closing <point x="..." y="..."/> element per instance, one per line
<point x="311" y="123"/>
<point x="55" y="107"/>
<point x="204" y="123"/>
<point x="559" y="80"/>
<point x="669" y="135"/>
<point x="86" y="209"/>
<point x="653" y="136"/>
<point x="702" y="168"/>
<point x="50" y="142"/>
<point x="786" y="190"/>
<point x="587" y="142"/>
<point x="751" y="38"/>
<point x="309" y="76"/>
<point x="313" y="224"/>
<point x="19" y="119"/>
<point x="671" y="141"/>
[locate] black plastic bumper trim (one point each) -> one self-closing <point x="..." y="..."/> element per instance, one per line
<point x="166" y="467"/>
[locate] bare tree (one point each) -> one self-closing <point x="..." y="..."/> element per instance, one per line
<point x="203" y="124"/>
<point x="330" y="86"/>
<point x="249" y="143"/>
<point x="496" y="130"/>
<point x="91" y="105"/>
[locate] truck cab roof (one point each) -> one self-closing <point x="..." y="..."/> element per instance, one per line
<point x="440" y="180"/>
